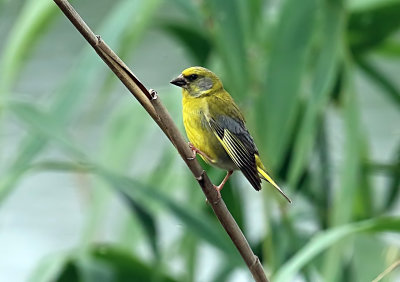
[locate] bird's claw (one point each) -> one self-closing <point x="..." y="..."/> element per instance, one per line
<point x="197" y="151"/>
<point x="194" y="152"/>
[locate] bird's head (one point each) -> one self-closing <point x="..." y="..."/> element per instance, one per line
<point x="198" y="81"/>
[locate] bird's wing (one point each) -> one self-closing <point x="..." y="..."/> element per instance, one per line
<point x="239" y="145"/>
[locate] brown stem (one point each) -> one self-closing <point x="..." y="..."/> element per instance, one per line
<point x="152" y="104"/>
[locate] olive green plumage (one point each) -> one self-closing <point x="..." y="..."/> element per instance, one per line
<point x="216" y="127"/>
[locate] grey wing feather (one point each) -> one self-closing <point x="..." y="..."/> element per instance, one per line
<point x="239" y="145"/>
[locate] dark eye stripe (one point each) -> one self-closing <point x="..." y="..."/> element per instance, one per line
<point x="192" y="77"/>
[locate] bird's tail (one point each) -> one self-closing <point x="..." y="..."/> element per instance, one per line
<point x="264" y="175"/>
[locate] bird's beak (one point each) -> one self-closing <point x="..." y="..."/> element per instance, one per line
<point x="179" y="81"/>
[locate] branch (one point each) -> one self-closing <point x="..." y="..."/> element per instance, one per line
<point x="387" y="271"/>
<point x="152" y="104"/>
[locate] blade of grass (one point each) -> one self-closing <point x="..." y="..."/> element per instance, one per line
<point x="199" y="224"/>
<point x="29" y="27"/>
<point x="120" y="144"/>
<point x="394" y="184"/>
<point x="368" y="28"/>
<point x="369" y="251"/>
<point x="389" y="170"/>
<point x="49" y="268"/>
<point x="107" y="263"/>
<point x="363" y="5"/>
<point x="203" y="228"/>
<point x="148" y="222"/>
<point x="128" y="40"/>
<point x="84" y="73"/>
<point x="390" y="48"/>
<point x="277" y="106"/>
<point x="229" y="37"/>
<point x="191" y="10"/>
<point x="189" y="250"/>
<point x="345" y="195"/>
<point x="380" y="79"/>
<point x="197" y="43"/>
<point x="40" y="123"/>
<point x="38" y="120"/>
<point x="125" y="267"/>
<point x="323" y="82"/>
<point x="328" y="239"/>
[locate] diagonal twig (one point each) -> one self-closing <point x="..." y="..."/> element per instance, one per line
<point x="152" y="104"/>
<point x="387" y="271"/>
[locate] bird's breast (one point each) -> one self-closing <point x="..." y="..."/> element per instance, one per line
<point x="201" y="135"/>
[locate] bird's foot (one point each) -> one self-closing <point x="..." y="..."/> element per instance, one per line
<point x="220" y="186"/>
<point x="196" y="151"/>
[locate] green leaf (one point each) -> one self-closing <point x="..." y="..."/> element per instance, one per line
<point x="364" y="5"/>
<point x="369" y="28"/>
<point x="277" y="106"/>
<point x="128" y="40"/>
<point x="125" y="267"/>
<point x="41" y="124"/>
<point x="121" y="141"/>
<point x="230" y="42"/>
<point x="344" y="198"/>
<point x="69" y="273"/>
<point x="49" y="268"/>
<point x="394" y="184"/>
<point x="191" y="10"/>
<point x="197" y="223"/>
<point x="390" y="48"/>
<point x="28" y="28"/>
<point x="193" y="39"/>
<point x="45" y="126"/>
<point x="329" y="238"/>
<point x="189" y="248"/>
<point x="251" y="14"/>
<point x="26" y="153"/>
<point x="234" y="203"/>
<point x="78" y="82"/>
<point x="223" y="273"/>
<point x="369" y="250"/>
<point x="147" y="221"/>
<point x="391" y="171"/>
<point x="380" y="79"/>
<point x="323" y="82"/>
<point x="108" y="264"/>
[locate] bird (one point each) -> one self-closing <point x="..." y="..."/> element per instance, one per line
<point x="216" y="128"/>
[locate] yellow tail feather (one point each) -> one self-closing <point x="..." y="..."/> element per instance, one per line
<point x="265" y="176"/>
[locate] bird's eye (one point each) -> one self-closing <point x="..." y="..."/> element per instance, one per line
<point x="192" y="77"/>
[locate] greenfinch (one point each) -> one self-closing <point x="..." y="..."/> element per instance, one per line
<point x="216" y="128"/>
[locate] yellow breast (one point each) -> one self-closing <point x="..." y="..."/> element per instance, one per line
<point x="200" y="134"/>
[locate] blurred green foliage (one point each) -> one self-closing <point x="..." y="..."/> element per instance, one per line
<point x="293" y="66"/>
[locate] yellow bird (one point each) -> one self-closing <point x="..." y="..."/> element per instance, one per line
<point x="216" y="128"/>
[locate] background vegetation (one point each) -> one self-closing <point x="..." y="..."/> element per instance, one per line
<point x="90" y="189"/>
